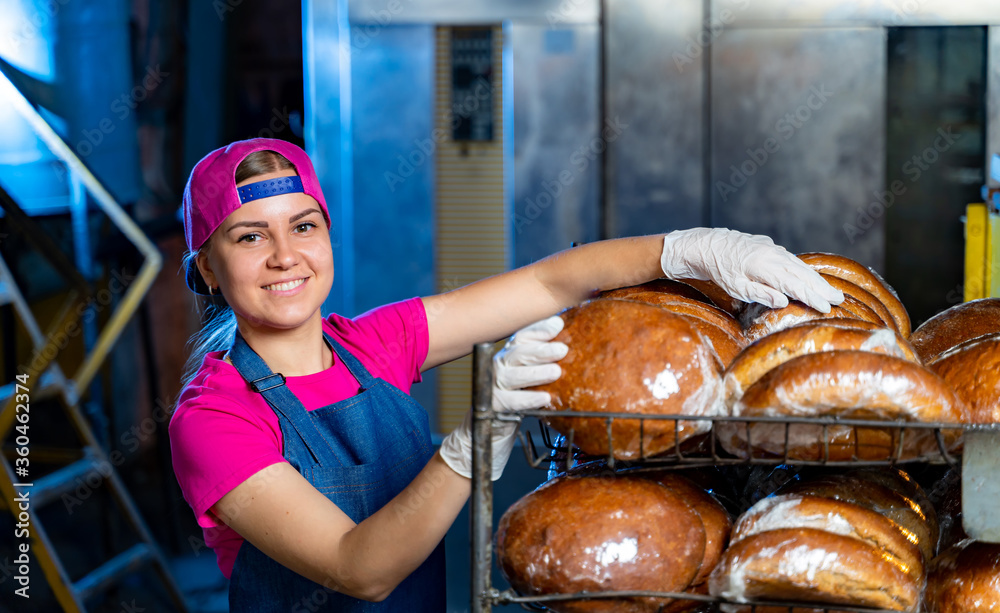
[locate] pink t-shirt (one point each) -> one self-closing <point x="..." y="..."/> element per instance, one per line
<point x="222" y="432"/>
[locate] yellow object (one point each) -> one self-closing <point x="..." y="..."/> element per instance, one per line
<point x="993" y="256"/>
<point x="976" y="237"/>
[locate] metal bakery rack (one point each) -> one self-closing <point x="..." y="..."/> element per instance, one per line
<point x="980" y="457"/>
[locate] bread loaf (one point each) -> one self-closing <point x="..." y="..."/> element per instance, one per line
<point x="759" y="321"/>
<point x="629" y="357"/>
<point x="908" y="516"/>
<point x="809" y="565"/>
<point x="809" y="337"/>
<point x="718" y="327"/>
<point x="718" y="296"/>
<point x="714" y="518"/>
<point x="847" y="384"/>
<point x="965" y="579"/>
<point x="956" y="325"/>
<point x="859" y="293"/>
<point x="599" y="534"/>
<point x="849" y="270"/>
<point x="660" y="286"/>
<point x="972" y="369"/>
<point x="835" y="516"/>
<point x="900" y="482"/>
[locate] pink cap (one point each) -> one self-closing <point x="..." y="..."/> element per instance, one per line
<point x="210" y="195"/>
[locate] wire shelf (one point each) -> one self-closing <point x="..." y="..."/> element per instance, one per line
<point x="688" y="454"/>
<point x="711" y="603"/>
<point x="706" y="449"/>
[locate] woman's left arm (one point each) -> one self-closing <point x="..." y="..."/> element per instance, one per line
<point x="498" y="306"/>
<point x="749" y="267"/>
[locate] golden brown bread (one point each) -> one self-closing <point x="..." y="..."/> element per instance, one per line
<point x="599" y="534"/>
<point x="809" y="565"/>
<point x="860" y="310"/>
<point x="717" y="326"/>
<point x="759" y="321"/>
<point x="973" y="370"/>
<point x="850" y="385"/>
<point x="718" y="296"/>
<point x="900" y="482"/>
<point x="858" y="274"/>
<point x="809" y="337"/>
<point x="908" y="516"/>
<point x="662" y="286"/>
<point x="859" y="293"/>
<point x="630" y="357"/>
<point x="836" y="516"/>
<point x="956" y="325"/>
<point x="965" y="579"/>
<point x="714" y="517"/>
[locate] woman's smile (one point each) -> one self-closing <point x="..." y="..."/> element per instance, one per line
<point x="285" y="288"/>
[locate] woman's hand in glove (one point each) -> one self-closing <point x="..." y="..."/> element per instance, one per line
<point x="528" y="359"/>
<point x="749" y="267"/>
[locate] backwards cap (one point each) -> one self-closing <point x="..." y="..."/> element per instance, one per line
<point x="211" y="193"/>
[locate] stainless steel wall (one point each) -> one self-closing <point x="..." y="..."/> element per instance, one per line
<point x="655" y="88"/>
<point x="798" y="136"/>
<point x="557" y="144"/>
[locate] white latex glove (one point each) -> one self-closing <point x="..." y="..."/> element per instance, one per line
<point x="748" y="266"/>
<point x="527" y="359"/>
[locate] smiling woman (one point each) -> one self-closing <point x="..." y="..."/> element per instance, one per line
<point x="295" y="441"/>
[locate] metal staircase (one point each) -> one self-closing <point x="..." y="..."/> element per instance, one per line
<point x="25" y="491"/>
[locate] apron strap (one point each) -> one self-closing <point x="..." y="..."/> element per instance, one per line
<point x="353" y="364"/>
<point x="272" y="387"/>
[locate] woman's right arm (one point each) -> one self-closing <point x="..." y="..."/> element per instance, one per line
<point x="285" y="517"/>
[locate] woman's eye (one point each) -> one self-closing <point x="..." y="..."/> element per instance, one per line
<point x="304" y="226"/>
<point x="248" y="238"/>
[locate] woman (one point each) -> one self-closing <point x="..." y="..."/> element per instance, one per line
<point x="302" y="456"/>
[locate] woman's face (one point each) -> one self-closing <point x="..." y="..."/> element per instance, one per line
<point x="272" y="259"/>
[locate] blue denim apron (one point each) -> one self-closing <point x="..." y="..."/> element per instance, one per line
<point x="359" y="453"/>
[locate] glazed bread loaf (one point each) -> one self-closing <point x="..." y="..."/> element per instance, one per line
<point x="714" y="518"/>
<point x="900" y="482"/>
<point x="630" y="357"/>
<point x="718" y="327"/>
<point x="660" y="286"/>
<point x="859" y="293"/>
<point x="846" y="384"/>
<point x="904" y="511"/>
<point x="960" y="323"/>
<point x="718" y="296"/>
<point x="759" y="321"/>
<point x="599" y="534"/>
<point x="809" y="337"/>
<point x="965" y="579"/>
<point x="858" y="274"/>
<point x="810" y="565"/>
<point x="835" y="516"/>
<point x="973" y="371"/>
